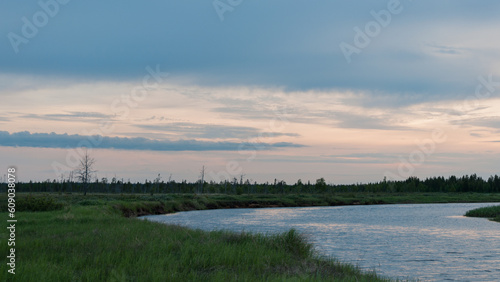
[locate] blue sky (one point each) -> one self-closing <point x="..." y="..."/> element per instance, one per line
<point x="217" y="76"/>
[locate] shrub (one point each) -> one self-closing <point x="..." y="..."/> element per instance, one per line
<point x="493" y="211"/>
<point x="39" y="203"/>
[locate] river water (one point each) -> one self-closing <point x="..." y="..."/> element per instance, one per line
<point x="429" y="242"/>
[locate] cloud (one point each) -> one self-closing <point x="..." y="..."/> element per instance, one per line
<point x="53" y="140"/>
<point x="475" y="134"/>
<point x="394" y="158"/>
<point x="449" y="50"/>
<point x="71" y="116"/>
<point x="195" y="130"/>
<point x="367" y="158"/>
<point x="211" y="131"/>
<point x="262" y="43"/>
<point x="336" y="159"/>
<point x="489" y="122"/>
<point x="351" y="120"/>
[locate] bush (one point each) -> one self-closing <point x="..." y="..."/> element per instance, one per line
<point x="39" y="203"/>
<point x="491" y="212"/>
<point x="89" y="203"/>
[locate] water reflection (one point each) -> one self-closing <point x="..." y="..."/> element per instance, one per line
<point x="429" y="242"/>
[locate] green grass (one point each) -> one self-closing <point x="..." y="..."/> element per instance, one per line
<point x="38" y="203"/>
<point x="492" y="212"/>
<point x="140" y="204"/>
<point x="172" y="203"/>
<point x="89" y="239"/>
<point x="70" y="237"/>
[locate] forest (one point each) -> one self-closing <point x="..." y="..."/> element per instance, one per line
<point x="452" y="184"/>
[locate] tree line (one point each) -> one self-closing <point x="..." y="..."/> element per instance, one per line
<point x="467" y="183"/>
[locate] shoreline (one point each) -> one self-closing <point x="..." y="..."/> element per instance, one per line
<point x="62" y="243"/>
<point x="62" y="234"/>
<point x="168" y="204"/>
<point x="492" y="213"/>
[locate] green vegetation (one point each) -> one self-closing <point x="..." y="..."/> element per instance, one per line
<point x="87" y="238"/>
<point x="38" y="203"/>
<point x="134" y="205"/>
<point x="143" y="204"/>
<point x="62" y="236"/>
<point x="492" y="212"/>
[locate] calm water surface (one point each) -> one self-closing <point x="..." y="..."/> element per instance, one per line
<point x="430" y="242"/>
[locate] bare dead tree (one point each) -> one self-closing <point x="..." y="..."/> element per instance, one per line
<point x="70" y="176"/>
<point x="156" y="186"/>
<point x="85" y="171"/>
<point x="202" y="181"/>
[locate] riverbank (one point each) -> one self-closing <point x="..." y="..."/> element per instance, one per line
<point x="95" y="237"/>
<point x="89" y="239"/>
<point x="137" y="205"/>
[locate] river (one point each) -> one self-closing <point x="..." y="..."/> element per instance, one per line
<point x="429" y="242"/>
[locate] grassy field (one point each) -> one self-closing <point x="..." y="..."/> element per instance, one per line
<point x="492" y="213"/>
<point x="89" y="239"/>
<point x="69" y="237"/>
<point x="133" y="205"/>
<point x="142" y="204"/>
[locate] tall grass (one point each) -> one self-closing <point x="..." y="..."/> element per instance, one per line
<point x="492" y="212"/>
<point x="143" y="204"/>
<point x="90" y="240"/>
<point x="38" y="203"/>
<point x="87" y="238"/>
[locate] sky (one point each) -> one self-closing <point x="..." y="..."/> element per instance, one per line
<point x="352" y="91"/>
